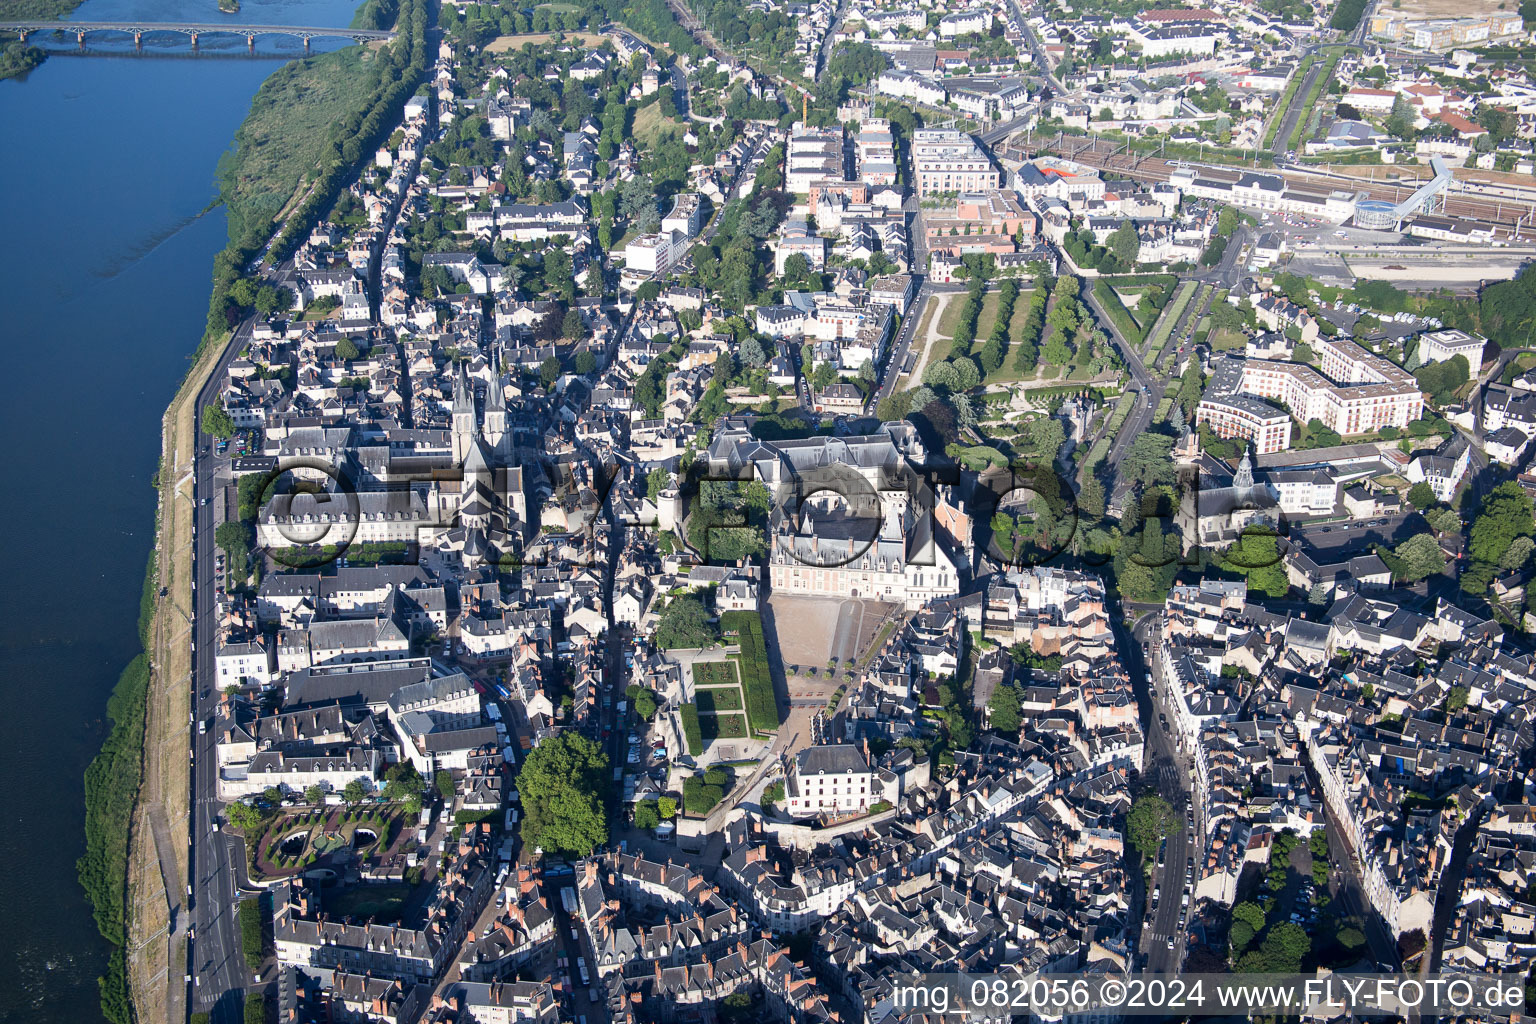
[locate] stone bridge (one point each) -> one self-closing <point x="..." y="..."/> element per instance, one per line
<point x="192" y="30"/>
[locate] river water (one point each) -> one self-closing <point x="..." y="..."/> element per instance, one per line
<point x="104" y="277"/>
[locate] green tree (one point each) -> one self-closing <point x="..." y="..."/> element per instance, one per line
<point x="1517" y="554"/>
<point x="1124" y="243"/>
<point x="1149" y="821"/>
<point x="1250" y="913"/>
<point x="314" y="795"/>
<point x="1256" y="555"/>
<point x="1400" y="121"/>
<point x="1004" y="710"/>
<point x="562" y="784"/>
<point x="346" y="349"/>
<point x="402" y="780"/>
<point x="1149" y="460"/>
<point x="685" y="623"/>
<point x="1456" y="699"/>
<point x="585" y="362"/>
<point x="1090" y="500"/>
<point x="645" y="704"/>
<point x="1056" y="351"/>
<point x="1505" y="515"/>
<point x="1420" y="557"/>
<point x="656" y="481"/>
<point x="645" y="814"/>
<point x="354" y="792"/>
<point x="666" y="807"/>
<point x="699" y="796"/>
<point x="1476" y="577"/>
<point x="549" y="370"/>
<point x="216" y="421"/>
<point x="1239" y="935"/>
<point x="1191" y="385"/>
<point x="444" y="782"/>
<point x="242" y="816"/>
<point x="1421" y="495"/>
<point x="1443" y="520"/>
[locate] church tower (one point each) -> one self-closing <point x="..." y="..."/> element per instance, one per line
<point x="1244" y="479"/>
<point x="464" y="427"/>
<point x="496" y="411"/>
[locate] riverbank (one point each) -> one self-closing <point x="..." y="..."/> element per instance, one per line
<point x="157" y="864"/>
<point x="305" y="132"/>
<point x="17" y="58"/>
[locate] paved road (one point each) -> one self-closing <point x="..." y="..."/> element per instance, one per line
<point x="1170" y="773"/>
<point x="1042" y="65"/>
<point x="216" y="961"/>
<point x="1298" y="99"/>
<point x="1149" y="387"/>
<point x="825" y="49"/>
<point x="680" y="90"/>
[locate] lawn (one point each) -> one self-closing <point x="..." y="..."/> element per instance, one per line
<point x="988" y="315"/>
<point x="762" y="703"/>
<point x="381" y="902"/>
<point x="984" y="320"/>
<point x="715" y="701"/>
<point x="1006" y="374"/>
<point x="1222" y="339"/>
<point x="722" y="727"/>
<point x="649" y="126"/>
<point x="714" y="673"/>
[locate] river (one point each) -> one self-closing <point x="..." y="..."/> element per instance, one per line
<point x="104" y="277"/>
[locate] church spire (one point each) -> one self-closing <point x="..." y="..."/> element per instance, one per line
<point x="1244" y="478"/>
<point x="466" y="425"/>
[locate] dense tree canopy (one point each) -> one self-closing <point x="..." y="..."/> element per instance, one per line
<point x="1149" y="821"/>
<point x="1418" y="557"/>
<point x="562" y="785"/>
<point x="1505" y="515"/>
<point x="685" y="623"/>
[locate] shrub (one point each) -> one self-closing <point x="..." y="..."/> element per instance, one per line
<point x="252" y="940"/>
<point x="1118" y="314"/>
<point x="757" y="680"/>
<point x="691" y="731"/>
<point x="700" y="798"/>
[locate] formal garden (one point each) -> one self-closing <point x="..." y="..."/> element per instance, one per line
<point x="324" y="837"/>
<point x="716" y="712"/>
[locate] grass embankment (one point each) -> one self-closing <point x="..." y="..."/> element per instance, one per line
<point x="757" y="680"/>
<point x="1285" y="100"/>
<point x="1306" y="124"/>
<point x="310" y="127"/>
<point x="1121" y="317"/>
<point x="1172" y="313"/>
<point x="112" y="782"/>
<point x="287" y="133"/>
<point x="120" y="842"/>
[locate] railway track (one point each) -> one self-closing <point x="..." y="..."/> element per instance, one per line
<point x="1499" y="209"/>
